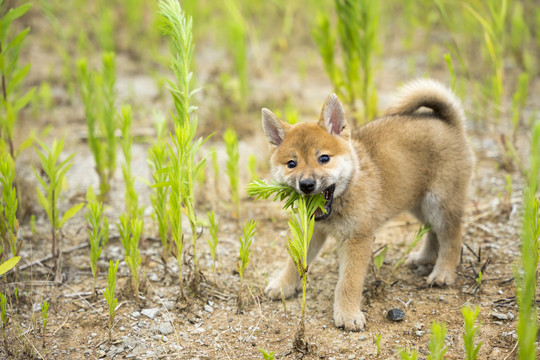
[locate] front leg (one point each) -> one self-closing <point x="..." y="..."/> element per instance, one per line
<point x="289" y="279"/>
<point x="354" y="257"/>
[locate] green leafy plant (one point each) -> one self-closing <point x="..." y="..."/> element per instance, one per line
<point x="98" y="231"/>
<point x="98" y="96"/>
<point x="130" y="195"/>
<point x="9" y="225"/>
<point x="249" y="232"/>
<point x="378" y="260"/>
<point x="159" y="196"/>
<point x="301" y="225"/>
<point x="526" y="276"/>
<point x="231" y="168"/>
<point x="470" y="333"/>
<point x="130" y="233"/>
<point x="378" y="343"/>
<point x="12" y="76"/>
<point x="267" y="355"/>
<point x="184" y="167"/>
<point x="408" y="354"/>
<point x="5" y="319"/>
<point x="213" y="238"/>
<point x="109" y="295"/>
<point x="357" y="30"/>
<point x="44" y="314"/>
<point x="51" y="184"/>
<point x="436" y="344"/>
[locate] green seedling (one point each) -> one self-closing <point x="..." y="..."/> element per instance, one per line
<point x="130" y="233"/>
<point x="252" y="167"/>
<point x="408" y="354"/>
<point x="12" y="77"/>
<point x="98" y="96"/>
<point x="357" y="31"/>
<point x="378" y="343"/>
<point x="526" y="276"/>
<point x="213" y="238"/>
<point x="8" y="205"/>
<point x="436" y="343"/>
<point x="378" y="260"/>
<point x="231" y="168"/>
<point x="109" y="295"/>
<point x="130" y="195"/>
<point x="245" y="243"/>
<point x="98" y="232"/>
<point x="3" y="315"/>
<point x="44" y="314"/>
<point x="267" y="355"/>
<point x="159" y="196"/>
<point x="184" y="168"/>
<point x="301" y="225"/>
<point x="479" y="278"/>
<point x="471" y="332"/>
<point x="51" y="184"/>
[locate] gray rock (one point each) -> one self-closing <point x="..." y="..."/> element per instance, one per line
<point x="150" y="313"/>
<point x="101" y="354"/>
<point x="208" y="308"/>
<point x="499" y="316"/>
<point x="166" y="328"/>
<point x="136" y="314"/>
<point x="395" y="315"/>
<point x="169" y="305"/>
<point x="419" y="333"/>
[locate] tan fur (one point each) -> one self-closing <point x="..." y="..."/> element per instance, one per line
<point x="412" y="159"/>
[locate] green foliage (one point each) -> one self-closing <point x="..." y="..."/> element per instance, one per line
<point x="252" y="167"/>
<point x="98" y="96"/>
<point x="267" y="355"/>
<point x="357" y="30"/>
<point x="159" y="196"/>
<point x="231" y="167"/>
<point x="526" y="275"/>
<point x="408" y="354"/>
<point x="436" y="344"/>
<point x="8" y="205"/>
<point x="260" y="189"/>
<point x="51" y="184"/>
<point x="213" y="239"/>
<point x="470" y="333"/>
<point x="378" y="260"/>
<point x="184" y="167"/>
<point x="9" y="264"/>
<point x="249" y="232"/>
<point x="110" y="296"/>
<point x="130" y="195"/>
<point x="98" y="231"/>
<point x="44" y="313"/>
<point x="3" y="311"/>
<point x="130" y="233"/>
<point x="378" y="343"/>
<point x="12" y="76"/>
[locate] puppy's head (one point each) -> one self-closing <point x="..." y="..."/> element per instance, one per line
<point x="313" y="157"/>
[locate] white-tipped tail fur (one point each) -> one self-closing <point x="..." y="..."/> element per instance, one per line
<point x="430" y="94"/>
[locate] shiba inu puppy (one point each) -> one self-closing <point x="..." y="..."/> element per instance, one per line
<point x="415" y="158"/>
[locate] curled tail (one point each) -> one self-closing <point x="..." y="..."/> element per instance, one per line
<point x="430" y="94"/>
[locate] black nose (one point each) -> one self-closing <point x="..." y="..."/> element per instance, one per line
<point x="307" y="186"/>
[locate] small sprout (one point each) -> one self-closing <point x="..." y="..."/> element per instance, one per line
<point x="267" y="355"/>
<point x="9" y="203"/>
<point x="109" y="295"/>
<point x="159" y="196"/>
<point x="245" y="243"/>
<point x="378" y="343"/>
<point x="131" y="196"/>
<point x="213" y="239"/>
<point x="97" y="232"/>
<point x="44" y="313"/>
<point x="470" y="333"/>
<point x="3" y="315"/>
<point x="436" y="343"/>
<point x="408" y="354"/>
<point x="130" y="233"/>
<point x="231" y="146"/>
<point x="479" y="278"/>
<point x="378" y="260"/>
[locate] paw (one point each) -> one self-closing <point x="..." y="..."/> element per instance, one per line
<point x="349" y="320"/>
<point x="441" y="277"/>
<point x="274" y="288"/>
<point x="417" y="258"/>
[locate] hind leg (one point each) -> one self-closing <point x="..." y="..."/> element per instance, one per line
<point x="427" y="253"/>
<point x="444" y="272"/>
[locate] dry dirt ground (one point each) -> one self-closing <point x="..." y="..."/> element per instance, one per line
<point x="209" y="324"/>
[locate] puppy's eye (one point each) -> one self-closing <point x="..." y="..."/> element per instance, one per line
<point x="291" y="164"/>
<point x="323" y="159"/>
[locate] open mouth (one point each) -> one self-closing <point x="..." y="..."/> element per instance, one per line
<point x="329" y="197"/>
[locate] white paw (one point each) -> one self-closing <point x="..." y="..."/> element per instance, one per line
<point x="441" y="277"/>
<point x="274" y="288"/>
<point x="417" y="258"/>
<point x="349" y="320"/>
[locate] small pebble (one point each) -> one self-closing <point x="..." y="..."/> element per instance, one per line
<point x="208" y="308"/>
<point x="499" y="316"/>
<point x="150" y="313"/>
<point x="419" y="333"/>
<point x="166" y="328"/>
<point x="136" y="314"/>
<point x="395" y="315"/>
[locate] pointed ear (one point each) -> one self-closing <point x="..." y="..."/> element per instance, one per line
<point x="333" y="117"/>
<point x="273" y="128"/>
